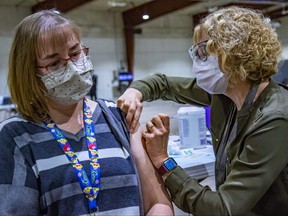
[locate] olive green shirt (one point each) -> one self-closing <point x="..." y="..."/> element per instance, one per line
<point x="257" y="171"/>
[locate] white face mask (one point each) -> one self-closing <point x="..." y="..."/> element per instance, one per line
<point x="209" y="76"/>
<point x="71" y="86"/>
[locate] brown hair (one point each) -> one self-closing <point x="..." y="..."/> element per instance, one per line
<point x="32" y="35"/>
<point x="245" y="42"/>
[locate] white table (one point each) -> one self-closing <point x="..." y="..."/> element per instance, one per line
<point x="198" y="163"/>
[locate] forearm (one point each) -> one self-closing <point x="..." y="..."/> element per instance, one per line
<point x="178" y="89"/>
<point x="192" y="197"/>
<point x="160" y="209"/>
<point x="152" y="87"/>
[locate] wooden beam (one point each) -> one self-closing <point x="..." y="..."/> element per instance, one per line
<point x="276" y="14"/>
<point x="129" y="37"/>
<point x="155" y="9"/>
<point x="61" y="5"/>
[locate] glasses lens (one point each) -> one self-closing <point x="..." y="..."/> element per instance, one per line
<point x="58" y="65"/>
<point x="81" y="61"/>
<point x="79" y="58"/>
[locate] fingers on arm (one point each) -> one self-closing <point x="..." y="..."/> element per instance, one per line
<point x="130" y="103"/>
<point x="161" y="122"/>
<point x="137" y="114"/>
<point x="156" y="140"/>
<point x="165" y="120"/>
<point x="120" y="101"/>
<point x="133" y="114"/>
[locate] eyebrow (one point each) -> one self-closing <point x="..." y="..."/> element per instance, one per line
<point x="55" y="54"/>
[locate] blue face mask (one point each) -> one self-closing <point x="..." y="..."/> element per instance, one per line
<point x="209" y="76"/>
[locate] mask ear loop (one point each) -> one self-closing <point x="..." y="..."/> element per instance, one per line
<point x="41" y="84"/>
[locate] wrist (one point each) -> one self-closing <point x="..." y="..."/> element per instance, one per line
<point x="159" y="162"/>
<point x="137" y="93"/>
<point x="167" y="167"/>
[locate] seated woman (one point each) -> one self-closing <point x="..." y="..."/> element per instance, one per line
<point x="65" y="154"/>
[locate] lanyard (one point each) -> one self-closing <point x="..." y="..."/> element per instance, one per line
<point x="89" y="187"/>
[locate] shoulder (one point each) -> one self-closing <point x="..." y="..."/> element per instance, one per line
<point x="271" y="111"/>
<point x="110" y="105"/>
<point x="17" y="126"/>
<point x="21" y="131"/>
<point x="13" y="131"/>
<point x="13" y="122"/>
<point x="275" y="101"/>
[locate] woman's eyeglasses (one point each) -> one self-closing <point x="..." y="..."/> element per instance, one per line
<point x="78" y="58"/>
<point x="198" y="51"/>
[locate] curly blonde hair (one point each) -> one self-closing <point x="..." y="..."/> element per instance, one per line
<point x="244" y="40"/>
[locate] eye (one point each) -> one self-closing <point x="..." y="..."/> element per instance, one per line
<point x="76" y="55"/>
<point x="54" y="64"/>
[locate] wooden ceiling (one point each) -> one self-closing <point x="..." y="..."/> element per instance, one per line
<point x="132" y="15"/>
<point x="156" y="8"/>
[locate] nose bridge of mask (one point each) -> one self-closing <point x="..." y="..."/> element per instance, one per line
<point x="210" y="63"/>
<point x="80" y="68"/>
<point x="89" y="66"/>
<point x="51" y="80"/>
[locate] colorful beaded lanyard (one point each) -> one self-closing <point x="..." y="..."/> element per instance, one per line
<point x="89" y="187"/>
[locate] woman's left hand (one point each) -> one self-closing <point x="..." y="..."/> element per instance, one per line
<point x="156" y="138"/>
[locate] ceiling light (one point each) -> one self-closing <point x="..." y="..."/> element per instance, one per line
<point x="145" y="16"/>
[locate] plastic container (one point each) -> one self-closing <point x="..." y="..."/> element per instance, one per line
<point x="207" y="113"/>
<point x="192" y="127"/>
<point x="173" y="146"/>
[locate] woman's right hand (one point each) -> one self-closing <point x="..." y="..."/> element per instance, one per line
<point x="130" y="103"/>
<point x="156" y="137"/>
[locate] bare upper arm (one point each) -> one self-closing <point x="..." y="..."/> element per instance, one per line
<point x="155" y="196"/>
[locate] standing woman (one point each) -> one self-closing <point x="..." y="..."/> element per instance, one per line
<point x="235" y="54"/>
<point x="65" y="154"/>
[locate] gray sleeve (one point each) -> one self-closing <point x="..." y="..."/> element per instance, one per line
<point x="16" y="200"/>
<point x="18" y="183"/>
